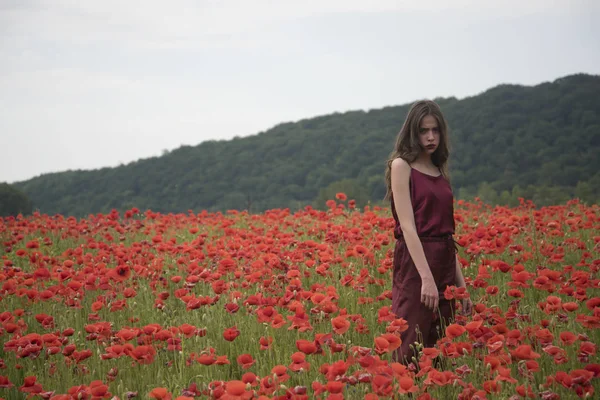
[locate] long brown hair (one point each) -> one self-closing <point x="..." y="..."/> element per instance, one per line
<point x="408" y="146"/>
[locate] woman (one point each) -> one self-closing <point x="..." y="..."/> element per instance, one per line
<point x="425" y="256"/>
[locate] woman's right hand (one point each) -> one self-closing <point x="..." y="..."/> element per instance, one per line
<point x="429" y="293"/>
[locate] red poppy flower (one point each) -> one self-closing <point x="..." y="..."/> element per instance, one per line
<point x="120" y="273"/>
<point x="281" y="372"/>
<point x="570" y="306"/>
<point x="341" y="196"/>
<point x="245" y="361"/>
<point x="160" y="394"/>
<point x="265" y="342"/>
<point x="299" y="362"/>
<point x="567" y="338"/>
<point x="99" y="390"/>
<point x="231" y="333"/>
<point x="306" y="347"/>
<point x="454" y="330"/>
<point x="30" y="385"/>
<point x="340" y="324"/>
<point x="407" y="385"/>
<point x="524" y="352"/>
<point x="4" y="382"/>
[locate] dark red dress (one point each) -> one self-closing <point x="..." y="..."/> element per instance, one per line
<point x="433" y="207"/>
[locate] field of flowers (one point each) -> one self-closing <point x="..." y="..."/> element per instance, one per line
<point x="284" y="305"/>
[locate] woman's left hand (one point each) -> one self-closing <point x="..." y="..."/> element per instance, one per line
<point x="467" y="306"/>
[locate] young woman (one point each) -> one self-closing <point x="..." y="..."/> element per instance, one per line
<point x="425" y="256"/>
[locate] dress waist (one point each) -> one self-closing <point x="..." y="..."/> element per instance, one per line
<point x="428" y="238"/>
<point x="449" y="238"/>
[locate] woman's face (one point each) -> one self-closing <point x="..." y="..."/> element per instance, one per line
<point x="429" y="134"/>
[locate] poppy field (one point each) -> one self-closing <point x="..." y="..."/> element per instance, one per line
<point x="292" y="305"/>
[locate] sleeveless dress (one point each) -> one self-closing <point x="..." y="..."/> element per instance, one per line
<point x="432" y="202"/>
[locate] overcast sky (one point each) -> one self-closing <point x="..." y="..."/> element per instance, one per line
<point x="88" y="84"/>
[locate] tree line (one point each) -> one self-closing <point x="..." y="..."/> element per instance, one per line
<point x="539" y="142"/>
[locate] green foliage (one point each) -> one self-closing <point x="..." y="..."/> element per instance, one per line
<point x="351" y="187"/>
<point x="540" y="142"/>
<point x="13" y="201"/>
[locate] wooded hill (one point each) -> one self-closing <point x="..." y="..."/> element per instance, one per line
<point x="539" y="142"/>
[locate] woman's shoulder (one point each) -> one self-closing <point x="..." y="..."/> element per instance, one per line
<point x="399" y="164"/>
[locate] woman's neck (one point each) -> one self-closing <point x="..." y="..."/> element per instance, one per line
<point x="424" y="159"/>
